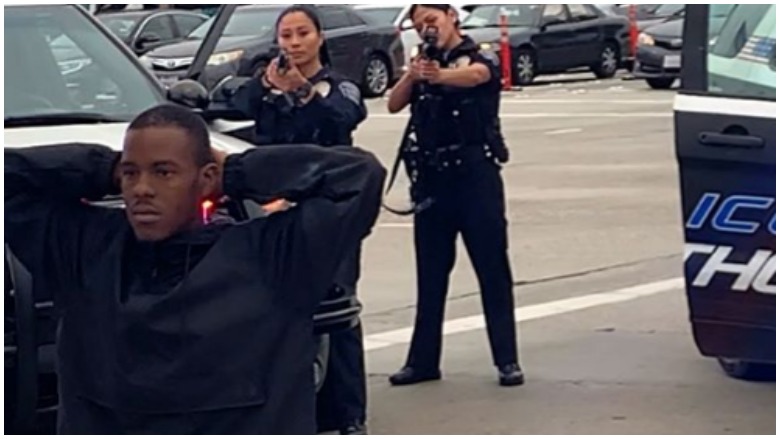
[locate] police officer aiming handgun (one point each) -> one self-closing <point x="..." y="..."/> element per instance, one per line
<point x="453" y="150"/>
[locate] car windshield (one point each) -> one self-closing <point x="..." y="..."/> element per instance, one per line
<point x="76" y="68"/>
<point x="489" y="16"/>
<point x="382" y="15"/>
<point x="246" y="21"/>
<point x="120" y="24"/>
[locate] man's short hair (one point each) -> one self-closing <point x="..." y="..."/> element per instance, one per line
<point x="173" y="116"/>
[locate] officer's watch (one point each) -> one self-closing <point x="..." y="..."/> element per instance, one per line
<point x="303" y="91"/>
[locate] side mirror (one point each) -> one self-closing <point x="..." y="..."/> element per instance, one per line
<point x="407" y="24"/>
<point x="189" y="93"/>
<point x="147" y="39"/>
<point x="225" y="89"/>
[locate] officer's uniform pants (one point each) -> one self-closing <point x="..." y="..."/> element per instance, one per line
<point x="469" y="202"/>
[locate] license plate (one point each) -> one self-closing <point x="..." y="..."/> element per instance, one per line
<point x="672" y="61"/>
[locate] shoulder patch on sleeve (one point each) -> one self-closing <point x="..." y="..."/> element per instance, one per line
<point x="351" y="92"/>
<point x="490" y="57"/>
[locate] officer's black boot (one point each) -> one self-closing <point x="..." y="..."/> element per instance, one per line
<point x="409" y="376"/>
<point x="511" y="375"/>
<point x="356" y="428"/>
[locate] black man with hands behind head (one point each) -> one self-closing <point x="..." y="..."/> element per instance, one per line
<point x="170" y="325"/>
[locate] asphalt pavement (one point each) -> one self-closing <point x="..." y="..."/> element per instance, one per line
<point x="596" y="247"/>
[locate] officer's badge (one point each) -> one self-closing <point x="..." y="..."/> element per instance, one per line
<point x="323" y="88"/>
<point x="463" y="61"/>
<point x="351" y="92"/>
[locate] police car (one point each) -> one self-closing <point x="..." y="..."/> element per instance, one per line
<point x="85" y="94"/>
<point x="725" y="120"/>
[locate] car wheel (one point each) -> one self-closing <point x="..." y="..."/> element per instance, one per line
<point x="376" y="77"/>
<point x="609" y="62"/>
<point x="660" y="83"/>
<point x="747" y="371"/>
<point x="525" y="67"/>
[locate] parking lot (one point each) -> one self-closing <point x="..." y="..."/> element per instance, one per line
<point x="596" y="245"/>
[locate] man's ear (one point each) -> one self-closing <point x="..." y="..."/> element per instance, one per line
<point x="453" y="16"/>
<point x="210" y="181"/>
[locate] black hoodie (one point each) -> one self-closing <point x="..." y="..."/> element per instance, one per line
<point x="208" y="332"/>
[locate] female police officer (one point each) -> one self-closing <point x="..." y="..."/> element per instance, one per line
<point x="454" y="92"/>
<point x="297" y="99"/>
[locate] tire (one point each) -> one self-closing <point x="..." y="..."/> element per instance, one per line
<point x="609" y="62"/>
<point x="742" y="370"/>
<point x="376" y="76"/>
<point x="525" y="67"/>
<point x="660" y="83"/>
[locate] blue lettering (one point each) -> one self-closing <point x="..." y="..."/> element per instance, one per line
<point x="725" y="221"/>
<point x="772" y="224"/>
<point x="702" y="211"/>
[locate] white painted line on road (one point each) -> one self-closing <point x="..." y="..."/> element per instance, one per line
<point x="395" y="225"/>
<point x="662" y="115"/>
<point x="533" y="312"/>
<point x="590" y="101"/>
<point x="564" y="131"/>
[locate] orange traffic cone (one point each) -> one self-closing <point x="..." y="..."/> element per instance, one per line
<point x="506" y="53"/>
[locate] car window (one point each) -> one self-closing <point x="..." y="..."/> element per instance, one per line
<point x="245" y="21"/>
<point x="121" y="26"/>
<point x="76" y="67"/>
<point x="382" y="15"/>
<point x="489" y="16"/>
<point x="582" y="12"/>
<point x="667" y="10"/>
<point x="333" y="18"/>
<point x="187" y="23"/>
<point x="355" y="19"/>
<point x="160" y="26"/>
<point x="553" y="13"/>
<point x="741" y="58"/>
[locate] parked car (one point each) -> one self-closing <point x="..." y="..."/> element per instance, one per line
<point x="553" y="38"/>
<point x="143" y="31"/>
<point x="659" y="49"/>
<point x="369" y="54"/>
<point x="45" y="104"/>
<point x="398" y="16"/>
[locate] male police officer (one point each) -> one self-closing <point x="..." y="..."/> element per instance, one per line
<point x="454" y="92"/>
<point x="170" y="325"/>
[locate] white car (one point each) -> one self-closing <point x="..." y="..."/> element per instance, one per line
<point x="398" y="15"/>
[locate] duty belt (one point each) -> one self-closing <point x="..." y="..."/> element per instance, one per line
<point x="454" y="156"/>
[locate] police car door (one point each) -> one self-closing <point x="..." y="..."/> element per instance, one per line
<point x="726" y="145"/>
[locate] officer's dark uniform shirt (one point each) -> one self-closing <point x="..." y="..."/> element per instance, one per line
<point x="463" y="113"/>
<point x="210" y="331"/>
<point x="328" y="119"/>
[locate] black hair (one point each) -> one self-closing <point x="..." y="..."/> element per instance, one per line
<point x="443" y="8"/>
<point x="312" y="15"/>
<point x="173" y="116"/>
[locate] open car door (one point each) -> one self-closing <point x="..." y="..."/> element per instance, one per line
<point x="725" y="118"/>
